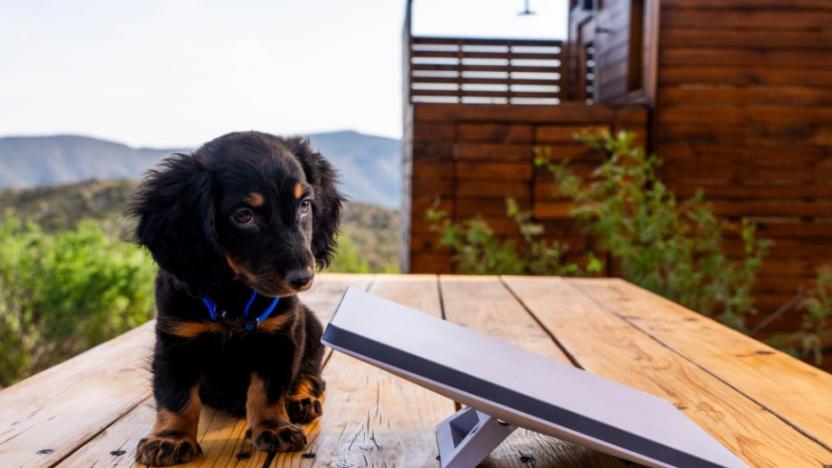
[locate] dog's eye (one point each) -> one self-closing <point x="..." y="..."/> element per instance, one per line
<point x="243" y="216"/>
<point x="305" y="206"/>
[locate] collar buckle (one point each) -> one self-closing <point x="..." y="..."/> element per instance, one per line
<point x="244" y="323"/>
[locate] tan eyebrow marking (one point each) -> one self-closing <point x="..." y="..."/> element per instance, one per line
<point x="255" y="199"/>
<point x="238" y="269"/>
<point x="298" y="190"/>
<point x="232" y="264"/>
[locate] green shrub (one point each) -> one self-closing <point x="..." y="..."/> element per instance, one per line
<point x="815" y="331"/>
<point x="349" y="258"/>
<point x="64" y="292"/>
<point x="671" y="247"/>
<point x="478" y="250"/>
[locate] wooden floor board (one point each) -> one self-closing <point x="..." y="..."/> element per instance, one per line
<point x="794" y="390"/>
<point x="372" y="418"/>
<point x="47" y="416"/>
<point x="607" y="345"/>
<point x="496" y="313"/>
<point x="765" y="406"/>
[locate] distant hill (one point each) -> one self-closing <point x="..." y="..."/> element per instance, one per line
<point x="369" y="165"/>
<point x="372" y="230"/>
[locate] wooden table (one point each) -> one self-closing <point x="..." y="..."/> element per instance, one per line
<point x="769" y="409"/>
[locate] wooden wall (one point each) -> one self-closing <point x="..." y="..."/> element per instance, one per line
<point x="485" y="71"/>
<point x="623" y="34"/>
<point x="474" y="156"/>
<point x="613" y="54"/>
<point x="744" y="111"/>
<point x="739" y="95"/>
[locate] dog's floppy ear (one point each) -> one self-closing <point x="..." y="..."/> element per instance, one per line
<point x="175" y="212"/>
<point x="327" y="206"/>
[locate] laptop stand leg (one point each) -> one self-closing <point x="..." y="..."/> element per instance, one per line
<point x="468" y="437"/>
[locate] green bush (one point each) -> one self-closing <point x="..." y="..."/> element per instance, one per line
<point x="349" y="258"/>
<point x="815" y="331"/>
<point x="671" y="247"/>
<point x="64" y="292"/>
<point x="478" y="250"/>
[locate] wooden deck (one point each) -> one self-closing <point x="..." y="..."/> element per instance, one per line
<point x="769" y="409"/>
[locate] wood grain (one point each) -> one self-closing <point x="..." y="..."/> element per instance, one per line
<point x="607" y="345"/>
<point x="752" y="367"/>
<point x="496" y="313"/>
<point x="747" y="83"/>
<point x="744" y="86"/>
<point x="770" y="409"/>
<point x="44" y="418"/>
<point x="484" y="153"/>
<point x="372" y="418"/>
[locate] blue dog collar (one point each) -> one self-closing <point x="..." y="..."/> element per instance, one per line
<point x="248" y="325"/>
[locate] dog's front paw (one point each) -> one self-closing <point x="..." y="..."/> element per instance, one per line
<point x="170" y="448"/>
<point x="271" y="435"/>
<point x="304" y="410"/>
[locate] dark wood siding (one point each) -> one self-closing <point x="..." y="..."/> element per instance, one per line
<point x="612" y="42"/>
<point x="743" y="112"/>
<point x="740" y="99"/>
<point x="623" y="37"/>
<point x="474" y="156"/>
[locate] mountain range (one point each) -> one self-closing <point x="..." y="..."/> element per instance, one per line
<point x="369" y="165"/>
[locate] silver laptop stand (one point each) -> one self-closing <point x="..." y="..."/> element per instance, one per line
<point x="523" y="388"/>
<point x="467" y="437"/>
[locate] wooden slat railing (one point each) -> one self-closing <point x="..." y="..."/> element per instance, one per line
<point x="484" y="71"/>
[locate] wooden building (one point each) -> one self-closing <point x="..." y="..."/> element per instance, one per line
<point x="734" y="95"/>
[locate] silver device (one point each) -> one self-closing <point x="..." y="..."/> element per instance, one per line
<point x="505" y="387"/>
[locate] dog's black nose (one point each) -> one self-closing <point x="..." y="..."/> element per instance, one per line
<point x="299" y="278"/>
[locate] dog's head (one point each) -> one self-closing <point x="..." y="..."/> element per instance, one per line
<point x="248" y="205"/>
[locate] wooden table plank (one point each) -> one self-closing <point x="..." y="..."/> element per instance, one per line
<point x="219" y="434"/>
<point x="325" y="295"/>
<point x="371" y="417"/>
<point x="606" y="345"/>
<point x="794" y="390"/>
<point x="484" y="304"/>
<point x="44" y="418"/>
<point x="374" y="418"/>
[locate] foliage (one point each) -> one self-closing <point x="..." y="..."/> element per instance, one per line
<point x="372" y="234"/>
<point x="67" y="283"/>
<point x="815" y="331"/>
<point x="373" y="231"/>
<point x="349" y="259"/>
<point x="478" y="250"/>
<point x="671" y="247"/>
<point x="60" y="207"/>
<point x="64" y="292"/>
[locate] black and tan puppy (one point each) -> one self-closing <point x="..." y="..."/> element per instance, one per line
<point x="237" y="228"/>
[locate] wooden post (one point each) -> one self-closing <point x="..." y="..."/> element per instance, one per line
<point x="460" y="53"/>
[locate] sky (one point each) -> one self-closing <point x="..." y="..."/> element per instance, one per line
<point x="176" y="73"/>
